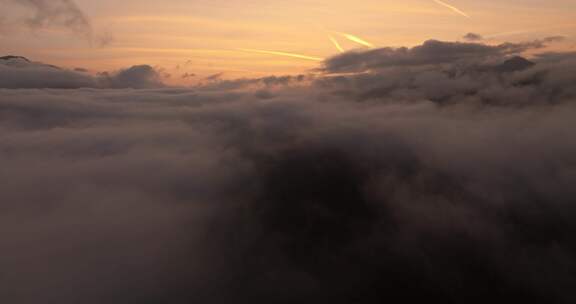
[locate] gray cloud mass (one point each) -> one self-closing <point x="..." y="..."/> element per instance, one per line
<point x="441" y="173"/>
<point x="47" y="13"/>
<point x="431" y="52"/>
<point x="18" y="72"/>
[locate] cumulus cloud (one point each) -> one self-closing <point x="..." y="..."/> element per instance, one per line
<point x="443" y="182"/>
<point x="137" y="77"/>
<point x="19" y="72"/>
<point x="431" y="52"/>
<point x="453" y="74"/>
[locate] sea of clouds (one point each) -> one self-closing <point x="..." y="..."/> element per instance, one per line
<point x="441" y="172"/>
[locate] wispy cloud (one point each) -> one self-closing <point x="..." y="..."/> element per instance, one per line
<point x="453" y="8"/>
<point x="357" y="39"/>
<point x="285" y="54"/>
<point x="336" y="44"/>
<point x="64" y="13"/>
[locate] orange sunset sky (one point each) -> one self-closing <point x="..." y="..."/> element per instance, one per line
<point x="206" y="37"/>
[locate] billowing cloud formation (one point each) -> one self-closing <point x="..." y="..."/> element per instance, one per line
<point x="453" y="74"/>
<point x="49" y="13"/>
<point x="137" y="77"/>
<point x="19" y="72"/>
<point x="435" y="187"/>
<point x="431" y="52"/>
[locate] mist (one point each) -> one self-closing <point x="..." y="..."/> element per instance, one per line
<point x="442" y="172"/>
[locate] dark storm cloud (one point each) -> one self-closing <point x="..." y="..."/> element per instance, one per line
<point x="48" y="13"/>
<point x="447" y="182"/>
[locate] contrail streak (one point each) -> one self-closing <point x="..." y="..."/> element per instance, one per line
<point x="282" y="54"/>
<point x="357" y="40"/>
<point x="336" y="44"/>
<point x="453" y="8"/>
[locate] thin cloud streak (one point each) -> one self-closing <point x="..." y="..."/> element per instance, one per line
<point x="336" y="44"/>
<point x="453" y="8"/>
<point x="357" y="39"/>
<point x="285" y="54"/>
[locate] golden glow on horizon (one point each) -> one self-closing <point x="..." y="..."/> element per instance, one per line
<point x="299" y="56"/>
<point x="276" y="37"/>
<point x="453" y="8"/>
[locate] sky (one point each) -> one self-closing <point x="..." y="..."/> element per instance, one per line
<point x="315" y="152"/>
<point x="202" y="37"/>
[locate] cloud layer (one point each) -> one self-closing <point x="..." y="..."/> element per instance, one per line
<point x="426" y="177"/>
<point x="18" y="72"/>
<point x="431" y="52"/>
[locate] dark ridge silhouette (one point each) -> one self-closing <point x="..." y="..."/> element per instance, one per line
<point x="515" y="64"/>
<point x="11" y="57"/>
